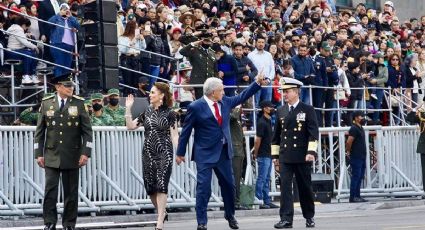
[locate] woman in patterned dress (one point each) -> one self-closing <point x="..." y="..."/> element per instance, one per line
<point x="161" y="134"/>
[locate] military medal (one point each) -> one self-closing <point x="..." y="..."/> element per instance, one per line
<point x="301" y="117"/>
<point x="51" y="107"/>
<point x="76" y="123"/>
<point x="69" y="123"/>
<point x="50" y="113"/>
<point x="299" y="126"/>
<point x="73" y="111"/>
<point x="53" y="123"/>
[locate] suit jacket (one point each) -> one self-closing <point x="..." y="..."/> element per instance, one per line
<point x="208" y="140"/>
<point x="63" y="136"/>
<point x="294" y="132"/>
<point x="45" y="12"/>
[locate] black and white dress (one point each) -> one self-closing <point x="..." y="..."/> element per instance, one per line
<point x="157" y="148"/>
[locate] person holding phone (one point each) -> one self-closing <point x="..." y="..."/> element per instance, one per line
<point x="63" y="38"/>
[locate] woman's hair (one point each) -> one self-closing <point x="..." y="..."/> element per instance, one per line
<point x="395" y="55"/>
<point x="165" y="89"/>
<point x="130" y="29"/>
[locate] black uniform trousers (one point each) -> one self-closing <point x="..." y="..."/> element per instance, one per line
<point x="302" y="172"/>
<point x="423" y="169"/>
<point x="70" y="189"/>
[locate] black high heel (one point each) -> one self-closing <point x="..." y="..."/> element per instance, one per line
<point x="165" y="217"/>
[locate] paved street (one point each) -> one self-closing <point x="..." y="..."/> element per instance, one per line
<point x="393" y="219"/>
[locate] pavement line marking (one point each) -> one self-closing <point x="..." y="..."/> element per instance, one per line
<point x="406" y="227"/>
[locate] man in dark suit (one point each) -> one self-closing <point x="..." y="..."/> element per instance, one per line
<point x="212" y="148"/>
<point x="417" y="116"/>
<point x="295" y="144"/>
<point x="62" y="144"/>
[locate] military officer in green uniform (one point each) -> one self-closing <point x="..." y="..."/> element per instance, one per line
<point x="99" y="117"/>
<point x="203" y="61"/>
<point x="294" y="145"/>
<point x="113" y="109"/>
<point x="236" y="132"/>
<point x="62" y="145"/>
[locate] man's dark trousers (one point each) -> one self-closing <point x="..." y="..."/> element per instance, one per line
<point x="223" y="170"/>
<point x="302" y="172"/>
<point x="70" y="187"/>
<point x="358" y="167"/>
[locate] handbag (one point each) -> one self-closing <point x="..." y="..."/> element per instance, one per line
<point x="340" y="95"/>
<point x="395" y="100"/>
<point x="247" y="190"/>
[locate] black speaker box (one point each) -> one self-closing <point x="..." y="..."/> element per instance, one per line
<point x="94" y="30"/>
<point x="101" y="10"/>
<point x="106" y="56"/>
<point x="323" y="187"/>
<point x="102" y="78"/>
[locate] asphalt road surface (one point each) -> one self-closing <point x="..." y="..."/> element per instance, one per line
<point x="388" y="219"/>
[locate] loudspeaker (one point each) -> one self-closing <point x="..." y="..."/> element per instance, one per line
<point x="109" y="33"/>
<point x="105" y="56"/>
<point x="96" y="33"/>
<point x="101" y="10"/>
<point x="323" y="187"/>
<point x="102" y="78"/>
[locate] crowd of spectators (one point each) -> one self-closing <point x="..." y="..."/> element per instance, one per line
<point x="334" y="53"/>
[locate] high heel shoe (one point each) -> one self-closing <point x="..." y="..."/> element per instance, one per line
<point x="165" y="217"/>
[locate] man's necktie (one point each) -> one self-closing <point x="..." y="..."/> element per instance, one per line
<point x="291" y="109"/>
<point x="217" y="114"/>
<point x="62" y="104"/>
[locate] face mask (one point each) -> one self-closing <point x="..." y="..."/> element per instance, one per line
<point x="113" y="101"/>
<point x="246" y="33"/>
<point x="206" y="46"/>
<point x="170" y="17"/>
<point x="356" y="41"/>
<point x="315" y="20"/>
<point x="223" y="23"/>
<point x="291" y="72"/>
<point x="326" y="14"/>
<point x="97" y="107"/>
<point x="206" y="10"/>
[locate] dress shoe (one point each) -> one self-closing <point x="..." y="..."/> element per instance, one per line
<point x="50" y="226"/>
<point x="241" y="207"/>
<point x="283" y="224"/>
<point x="233" y="223"/>
<point x="264" y="206"/>
<point x="201" y="227"/>
<point x="69" y="228"/>
<point x="357" y="200"/>
<point x="271" y="205"/>
<point x="309" y="223"/>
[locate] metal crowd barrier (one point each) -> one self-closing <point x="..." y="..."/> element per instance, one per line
<point x="113" y="179"/>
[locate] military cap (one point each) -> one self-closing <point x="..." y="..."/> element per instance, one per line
<point x="113" y="91"/>
<point x="96" y="96"/>
<point x="289" y="83"/>
<point x="62" y="79"/>
<point x="87" y="102"/>
<point x="46" y="95"/>
<point x="326" y="46"/>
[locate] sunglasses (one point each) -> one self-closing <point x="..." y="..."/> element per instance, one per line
<point x="295" y="40"/>
<point x="68" y="85"/>
<point x="395" y="59"/>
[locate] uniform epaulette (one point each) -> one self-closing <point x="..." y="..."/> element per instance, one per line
<point x="48" y="97"/>
<point x="78" y="97"/>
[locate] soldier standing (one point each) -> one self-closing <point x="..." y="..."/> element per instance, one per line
<point x="62" y="144"/>
<point x="113" y="109"/>
<point x="203" y="62"/>
<point x="295" y="144"/>
<point x="99" y="117"/>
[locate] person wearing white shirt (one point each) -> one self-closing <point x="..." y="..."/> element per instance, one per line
<point x="264" y="62"/>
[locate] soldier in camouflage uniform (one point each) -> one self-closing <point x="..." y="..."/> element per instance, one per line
<point x="30" y="115"/>
<point x="62" y="145"/>
<point x="99" y="117"/>
<point x="113" y="109"/>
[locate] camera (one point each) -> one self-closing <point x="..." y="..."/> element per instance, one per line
<point x="334" y="68"/>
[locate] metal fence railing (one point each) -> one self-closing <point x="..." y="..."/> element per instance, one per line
<point x="113" y="180"/>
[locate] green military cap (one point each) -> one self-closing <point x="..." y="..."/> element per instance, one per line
<point x="87" y="102"/>
<point x="113" y="91"/>
<point x="96" y="96"/>
<point x="326" y="46"/>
